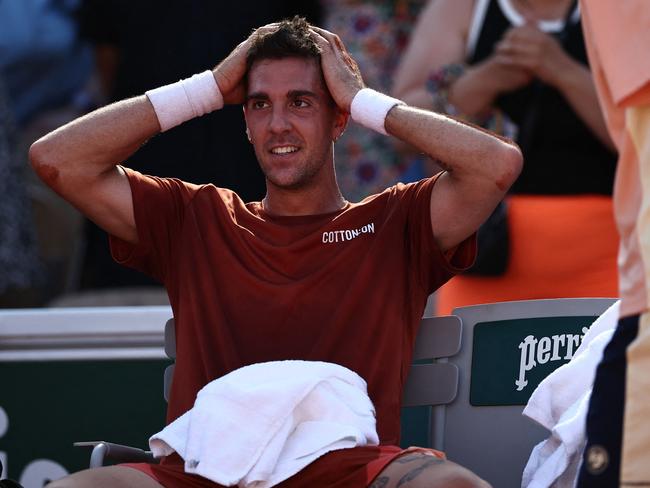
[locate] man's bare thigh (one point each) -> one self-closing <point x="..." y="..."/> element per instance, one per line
<point x="412" y="470"/>
<point x="421" y="470"/>
<point x="107" y="477"/>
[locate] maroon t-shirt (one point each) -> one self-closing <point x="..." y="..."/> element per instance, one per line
<point x="347" y="287"/>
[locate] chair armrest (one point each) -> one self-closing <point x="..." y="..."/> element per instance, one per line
<point x="107" y="451"/>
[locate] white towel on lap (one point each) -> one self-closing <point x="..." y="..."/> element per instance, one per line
<point x="560" y="403"/>
<point x="261" y="424"/>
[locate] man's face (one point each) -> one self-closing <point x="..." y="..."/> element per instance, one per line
<point x="292" y="121"/>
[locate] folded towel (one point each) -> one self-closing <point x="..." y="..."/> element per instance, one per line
<point x="261" y="424"/>
<point x="560" y="403"/>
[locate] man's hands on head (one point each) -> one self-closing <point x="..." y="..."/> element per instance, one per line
<point x="231" y="72"/>
<point x="341" y="72"/>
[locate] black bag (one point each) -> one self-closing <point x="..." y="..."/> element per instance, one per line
<point x="493" y="244"/>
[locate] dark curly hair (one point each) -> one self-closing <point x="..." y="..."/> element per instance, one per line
<point x="290" y="39"/>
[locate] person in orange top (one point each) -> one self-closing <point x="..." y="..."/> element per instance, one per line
<point x="618" y="423"/>
<point x="302" y="274"/>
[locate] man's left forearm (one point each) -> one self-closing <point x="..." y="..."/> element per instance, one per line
<point x="480" y="168"/>
<point x="464" y="150"/>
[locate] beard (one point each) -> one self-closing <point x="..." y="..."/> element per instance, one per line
<point x="303" y="174"/>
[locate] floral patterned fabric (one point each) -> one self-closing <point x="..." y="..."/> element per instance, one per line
<point x="376" y="34"/>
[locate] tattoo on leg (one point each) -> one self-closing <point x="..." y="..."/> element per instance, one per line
<point x="380" y="482"/>
<point x="414" y="473"/>
<point x="409" y="458"/>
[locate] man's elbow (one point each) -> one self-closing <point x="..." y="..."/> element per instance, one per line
<point x="42" y="162"/>
<point x="509" y="166"/>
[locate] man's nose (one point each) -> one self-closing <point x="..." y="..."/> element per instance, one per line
<point x="279" y="120"/>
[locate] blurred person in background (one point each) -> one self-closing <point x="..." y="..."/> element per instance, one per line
<point x="376" y="33"/>
<point x="18" y="253"/>
<point x="44" y="68"/>
<point x="147" y="43"/>
<point x="618" y="422"/>
<point x="481" y="59"/>
<point x="43" y="63"/>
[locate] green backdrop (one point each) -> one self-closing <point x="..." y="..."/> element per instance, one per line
<point x="50" y="405"/>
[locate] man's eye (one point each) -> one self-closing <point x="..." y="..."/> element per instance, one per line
<point x="259" y="104"/>
<point x="300" y="103"/>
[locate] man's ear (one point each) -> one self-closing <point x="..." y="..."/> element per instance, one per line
<point x="341" y="119"/>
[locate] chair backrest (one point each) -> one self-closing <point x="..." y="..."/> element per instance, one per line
<point x="431" y="380"/>
<point x="429" y="383"/>
<point x="507" y="349"/>
<point x="170" y="351"/>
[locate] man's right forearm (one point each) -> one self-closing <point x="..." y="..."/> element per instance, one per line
<point x="79" y="160"/>
<point x="96" y="142"/>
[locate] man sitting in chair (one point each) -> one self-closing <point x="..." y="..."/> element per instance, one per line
<point x="303" y="274"/>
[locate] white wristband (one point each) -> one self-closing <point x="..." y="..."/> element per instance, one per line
<point x="181" y="101"/>
<point x="369" y="108"/>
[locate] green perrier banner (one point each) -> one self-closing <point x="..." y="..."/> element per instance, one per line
<point x="511" y="357"/>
